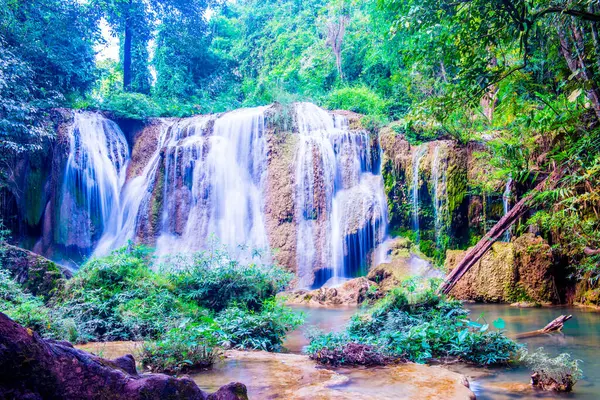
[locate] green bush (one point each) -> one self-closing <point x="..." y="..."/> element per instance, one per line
<point x="559" y="373"/>
<point x="215" y="281"/>
<point x="190" y="346"/>
<point x="120" y="297"/>
<point x="130" y="105"/>
<point x="261" y="330"/>
<point x="359" y="99"/>
<point x="414" y="323"/>
<point x="30" y="311"/>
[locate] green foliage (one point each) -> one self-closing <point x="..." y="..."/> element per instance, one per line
<point x="189" y="346"/>
<point x="359" y="99"/>
<point x="559" y="373"/>
<point x="414" y="323"/>
<point x="183" y="311"/>
<point x="119" y="297"/>
<point x="39" y="66"/>
<point x="131" y="105"/>
<point x="31" y="312"/>
<point x="215" y="281"/>
<point x="262" y="330"/>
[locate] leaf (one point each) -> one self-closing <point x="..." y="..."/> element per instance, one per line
<point x="462" y="335"/>
<point x="499" y="323"/>
<point x="484" y="328"/>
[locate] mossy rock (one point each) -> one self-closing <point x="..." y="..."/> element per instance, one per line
<point x="519" y="271"/>
<point x="37" y="274"/>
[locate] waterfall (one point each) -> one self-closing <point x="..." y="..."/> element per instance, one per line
<point x="214" y="184"/>
<point x="93" y="178"/>
<point x="340" y="202"/>
<point x="439" y="176"/>
<point x="206" y="176"/>
<point x="506" y="204"/>
<point x="135" y="193"/>
<point x="416" y="161"/>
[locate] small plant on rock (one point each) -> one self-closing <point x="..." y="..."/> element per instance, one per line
<point x="558" y="374"/>
<point x="184" y="348"/>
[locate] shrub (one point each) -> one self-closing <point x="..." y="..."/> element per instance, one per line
<point x="413" y="323"/>
<point x="359" y="99"/>
<point x="337" y="349"/>
<point x="215" y="281"/>
<point x="119" y="297"/>
<point x="558" y="374"/>
<point x="30" y="311"/>
<point x="190" y="346"/>
<point x="130" y="105"/>
<point x="261" y="330"/>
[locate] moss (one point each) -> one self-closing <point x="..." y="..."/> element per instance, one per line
<point x="35" y="201"/>
<point x="516" y="293"/>
<point x="156" y="205"/>
<point x="456" y="188"/>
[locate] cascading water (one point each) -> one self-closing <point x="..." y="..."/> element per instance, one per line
<point x="416" y="161"/>
<point x="135" y="193"/>
<point x="506" y="204"/>
<point x="214" y="184"/>
<point x="340" y="201"/>
<point x="207" y="175"/>
<point x="439" y="174"/>
<point x="93" y="178"/>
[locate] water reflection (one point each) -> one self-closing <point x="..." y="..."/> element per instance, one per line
<point x="580" y="338"/>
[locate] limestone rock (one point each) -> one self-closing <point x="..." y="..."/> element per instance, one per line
<point x="349" y="293"/>
<point x="519" y="271"/>
<point x="37" y="274"/>
<point x="34" y="368"/>
<point x="145" y="144"/>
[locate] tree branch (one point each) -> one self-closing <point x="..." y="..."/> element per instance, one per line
<point x="585" y="15"/>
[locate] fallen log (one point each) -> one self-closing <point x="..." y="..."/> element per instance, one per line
<point x="475" y="253"/>
<point x="555" y="326"/>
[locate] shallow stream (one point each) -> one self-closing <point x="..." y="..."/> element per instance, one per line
<point x="580" y="338"/>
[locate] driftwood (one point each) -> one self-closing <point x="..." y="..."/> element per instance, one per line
<point x="475" y="253"/>
<point x="554" y="326"/>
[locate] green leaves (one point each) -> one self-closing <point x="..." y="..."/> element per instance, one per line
<point x="499" y="324"/>
<point x="420" y="329"/>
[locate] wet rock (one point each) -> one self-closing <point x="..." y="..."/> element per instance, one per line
<point x="232" y="391"/>
<point x="279" y="196"/>
<point x="296" y="377"/>
<point x="145" y="144"/>
<point x="519" y="271"/>
<point x="37" y="274"/>
<point x="350" y="293"/>
<point x="34" y="368"/>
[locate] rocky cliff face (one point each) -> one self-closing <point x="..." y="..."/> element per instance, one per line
<point x="518" y="271"/>
<point x="454" y="207"/>
<point x="263" y="177"/>
<point x="310" y="190"/>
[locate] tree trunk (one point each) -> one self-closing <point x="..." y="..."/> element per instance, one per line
<point x="490" y="97"/>
<point x="496" y="233"/>
<point x="576" y="62"/>
<point x="127" y="52"/>
<point x="554" y="326"/>
<point x="335" y="38"/>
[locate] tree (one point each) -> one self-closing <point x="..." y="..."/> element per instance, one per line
<point x="46" y="57"/>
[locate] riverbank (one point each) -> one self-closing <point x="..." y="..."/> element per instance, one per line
<point x="295" y="376"/>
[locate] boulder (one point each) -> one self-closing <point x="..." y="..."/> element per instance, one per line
<point x="37" y="274"/>
<point x="519" y="271"/>
<point x="34" y="368"/>
<point x="350" y="293"/>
